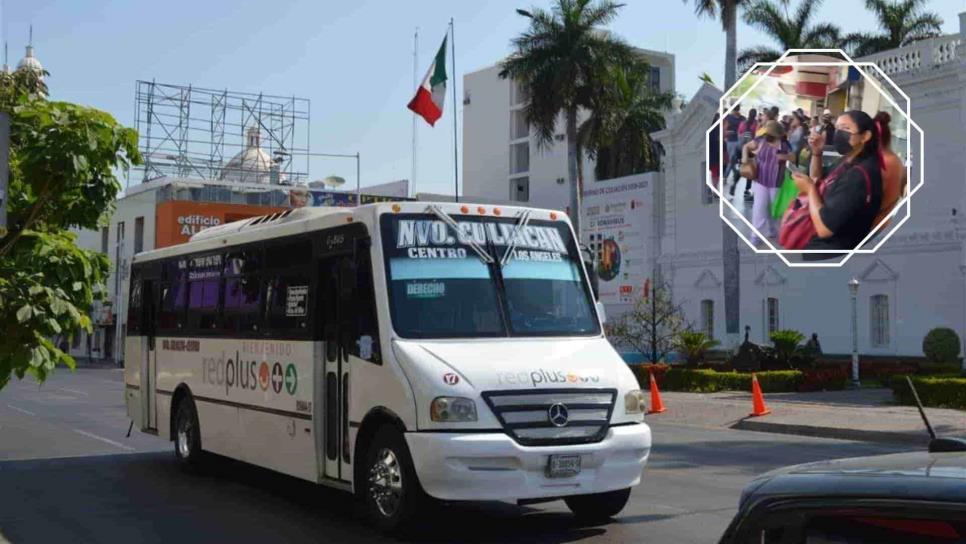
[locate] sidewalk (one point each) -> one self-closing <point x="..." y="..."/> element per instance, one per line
<point x="865" y="415"/>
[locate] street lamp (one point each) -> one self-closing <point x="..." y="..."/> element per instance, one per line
<point x="854" y="291"/>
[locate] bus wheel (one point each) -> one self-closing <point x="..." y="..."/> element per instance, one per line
<point x="598" y="506"/>
<point x="187" y="434"/>
<point x="392" y="497"/>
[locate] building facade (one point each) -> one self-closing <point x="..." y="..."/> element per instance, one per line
<point x="502" y="159"/>
<point x="915" y="282"/>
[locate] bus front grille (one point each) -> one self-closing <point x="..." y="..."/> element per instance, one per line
<point x="553" y="417"/>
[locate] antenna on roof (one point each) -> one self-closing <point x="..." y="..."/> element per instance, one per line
<point x="30" y="40"/>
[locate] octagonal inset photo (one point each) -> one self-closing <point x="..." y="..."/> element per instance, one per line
<point x="815" y="158"/>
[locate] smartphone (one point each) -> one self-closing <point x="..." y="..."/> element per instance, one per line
<point x="795" y="169"/>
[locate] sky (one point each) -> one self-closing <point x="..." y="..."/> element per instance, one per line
<point x="353" y="59"/>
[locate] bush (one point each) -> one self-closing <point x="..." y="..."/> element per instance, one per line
<point x="642" y="372"/>
<point x="711" y="381"/>
<point x="934" y="391"/>
<point x="941" y="345"/>
<point x="932" y="369"/>
<point x="828" y="378"/>
<point x="693" y="345"/>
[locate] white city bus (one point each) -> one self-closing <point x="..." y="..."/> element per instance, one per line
<point x="405" y="352"/>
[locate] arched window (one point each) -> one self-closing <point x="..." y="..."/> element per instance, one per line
<point x="707" y="317"/>
<point x="879" y="320"/>
<point x="771" y="316"/>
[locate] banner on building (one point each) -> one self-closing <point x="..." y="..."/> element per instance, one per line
<point x="617" y="225"/>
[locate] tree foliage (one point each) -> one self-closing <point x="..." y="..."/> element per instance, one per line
<point x="652" y="327"/>
<point x="561" y="62"/>
<point x="789" y="30"/>
<point x="617" y="134"/>
<point x="63" y="159"/>
<point x="900" y="22"/>
<point x="693" y="345"/>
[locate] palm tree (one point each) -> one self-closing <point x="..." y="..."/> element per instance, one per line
<point x="693" y="345"/>
<point x="901" y="22"/>
<point x="730" y="258"/>
<point x="561" y="61"/>
<point x="617" y="134"/>
<point x="790" y="31"/>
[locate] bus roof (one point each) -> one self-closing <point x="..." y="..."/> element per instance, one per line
<point x="296" y="220"/>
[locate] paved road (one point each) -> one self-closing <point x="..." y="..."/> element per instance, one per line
<point x="69" y="474"/>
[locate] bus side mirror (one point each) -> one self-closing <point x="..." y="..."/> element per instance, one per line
<point x="588" y="258"/>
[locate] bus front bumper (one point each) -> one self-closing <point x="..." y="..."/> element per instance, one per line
<point x="492" y="466"/>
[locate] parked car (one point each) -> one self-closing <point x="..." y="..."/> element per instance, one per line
<point x="909" y="497"/>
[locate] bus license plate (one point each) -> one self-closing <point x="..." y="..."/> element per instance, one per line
<point x="562" y="466"/>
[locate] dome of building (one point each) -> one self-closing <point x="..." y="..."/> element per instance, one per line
<point x="30" y="62"/>
<point x="250" y="165"/>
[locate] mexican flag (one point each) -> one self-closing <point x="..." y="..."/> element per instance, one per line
<point x="428" y="101"/>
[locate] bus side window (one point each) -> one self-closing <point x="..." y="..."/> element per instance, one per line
<point x="364" y="341"/>
<point x="242" y="296"/>
<point x="287" y="304"/>
<point x="135" y="302"/>
<point x="171" y="316"/>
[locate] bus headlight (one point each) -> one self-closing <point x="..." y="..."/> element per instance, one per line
<point x="634" y="402"/>
<point x="452" y="409"/>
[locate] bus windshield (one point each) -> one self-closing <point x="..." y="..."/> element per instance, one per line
<point x="439" y="287"/>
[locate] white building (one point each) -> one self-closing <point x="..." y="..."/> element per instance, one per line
<point x="915" y="282"/>
<point x="502" y="160"/>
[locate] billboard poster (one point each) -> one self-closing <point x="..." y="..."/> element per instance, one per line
<point x="617" y="226"/>
<point x="300" y="197"/>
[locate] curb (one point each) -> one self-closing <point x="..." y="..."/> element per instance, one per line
<point x="887" y="437"/>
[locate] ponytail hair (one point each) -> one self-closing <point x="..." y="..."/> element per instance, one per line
<point x="882" y="120"/>
<point x="867" y="124"/>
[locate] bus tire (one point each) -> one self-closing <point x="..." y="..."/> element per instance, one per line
<point x="187" y="435"/>
<point x="390" y="494"/>
<point x="598" y="507"/>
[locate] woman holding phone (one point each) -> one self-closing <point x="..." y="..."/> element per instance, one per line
<point x="843" y="204"/>
<point x="769" y="150"/>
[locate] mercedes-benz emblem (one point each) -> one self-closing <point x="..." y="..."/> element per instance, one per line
<point x="558" y="414"/>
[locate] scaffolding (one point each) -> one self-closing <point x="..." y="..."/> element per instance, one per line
<point x="193" y="132"/>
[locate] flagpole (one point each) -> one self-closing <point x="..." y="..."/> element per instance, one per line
<point x="456" y="178"/>
<point x="412" y="183"/>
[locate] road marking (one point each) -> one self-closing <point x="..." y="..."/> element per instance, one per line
<point x="75" y="391"/>
<point x="102" y="439"/>
<point x="21" y="410"/>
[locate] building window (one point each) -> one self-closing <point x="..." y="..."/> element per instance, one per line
<point x="105" y="237"/>
<point x="139" y="235"/>
<point x="707" y="195"/>
<point x="520" y="158"/>
<point x="707" y="317"/>
<point x="518" y="125"/>
<point x="520" y="189"/>
<point x="879" y="320"/>
<point x="771" y="316"/>
<point x="518" y="94"/>
<point x="654" y="79"/>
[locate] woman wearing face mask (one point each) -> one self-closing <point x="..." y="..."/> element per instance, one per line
<point x="843" y="209"/>
<point x="770" y="150"/>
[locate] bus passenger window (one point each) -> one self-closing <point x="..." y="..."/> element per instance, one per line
<point x="287" y="305"/>
<point x="171" y="316"/>
<point x="243" y="296"/>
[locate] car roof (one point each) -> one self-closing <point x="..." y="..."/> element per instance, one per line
<point x="913" y="476"/>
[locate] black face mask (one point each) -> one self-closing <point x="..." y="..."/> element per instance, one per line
<point x="841" y="142"/>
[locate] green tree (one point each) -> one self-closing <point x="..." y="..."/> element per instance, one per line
<point x="63" y="159"/>
<point x="730" y="258"/>
<point x="901" y="22"/>
<point x="617" y="134"/>
<point x="693" y="345"/>
<point x="652" y="326"/>
<point x="561" y="62"/>
<point x="785" y="347"/>
<point x="789" y="30"/>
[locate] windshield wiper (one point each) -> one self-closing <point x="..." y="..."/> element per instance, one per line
<point x="445" y="217"/>
<point x="517" y="229"/>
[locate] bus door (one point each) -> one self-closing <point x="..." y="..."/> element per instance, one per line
<point x="149" y="363"/>
<point x="337" y="276"/>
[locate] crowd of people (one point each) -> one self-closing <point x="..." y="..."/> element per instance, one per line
<point x="834" y="207"/>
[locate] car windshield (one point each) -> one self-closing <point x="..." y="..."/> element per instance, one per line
<point x="440" y="288"/>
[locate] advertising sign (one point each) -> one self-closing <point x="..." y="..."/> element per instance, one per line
<point x="617" y="226"/>
<point x="178" y="220"/>
<point x="300" y="197"/>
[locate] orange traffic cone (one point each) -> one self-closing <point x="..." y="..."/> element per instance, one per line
<point x="758" y="407"/>
<point x="657" y="406"/>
